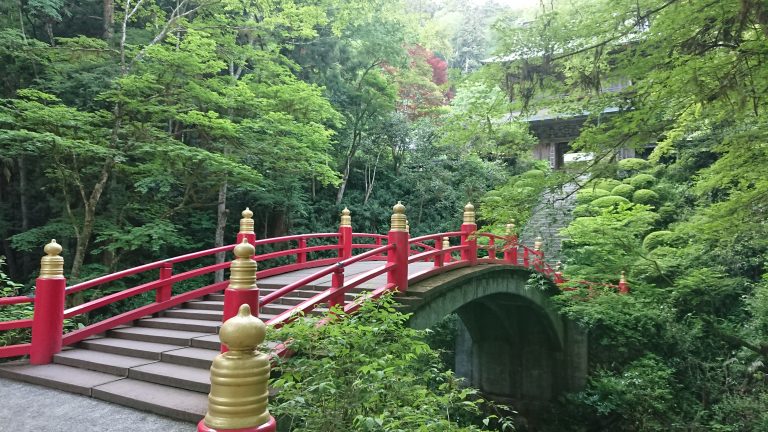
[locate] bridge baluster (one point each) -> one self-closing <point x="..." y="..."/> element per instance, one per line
<point x="510" y="249"/>
<point x="439" y="257"/>
<point x="301" y="257"/>
<point x="446" y="245"/>
<point x="164" y="292"/>
<point x="468" y="239"/>
<point x="337" y="282"/>
<point x="48" y="318"/>
<point x="345" y="234"/>
<point x="623" y="285"/>
<point x="247" y="227"/>
<point x="242" y="287"/>
<point x="398" y="237"/>
<point x="538" y="258"/>
<point x="239" y="379"/>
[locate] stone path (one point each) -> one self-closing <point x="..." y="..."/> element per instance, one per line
<point x="32" y="408"/>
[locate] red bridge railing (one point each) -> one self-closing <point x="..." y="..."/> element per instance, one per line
<point x="331" y="253"/>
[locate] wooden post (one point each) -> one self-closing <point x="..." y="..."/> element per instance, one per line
<point x="468" y="239"/>
<point x="510" y="249"/>
<point x="48" y="318"/>
<point x="164" y="292"/>
<point x="623" y="285"/>
<point x="398" y="237"/>
<point x="242" y="287"/>
<point x="337" y="282"/>
<point x="439" y="257"/>
<point x="345" y="234"/>
<point x="301" y="257"/>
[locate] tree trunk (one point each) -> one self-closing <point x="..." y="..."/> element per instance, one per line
<point x="26" y="264"/>
<point x="89" y="218"/>
<point x="108" y="29"/>
<point x="221" y="224"/>
<point x="344" y="179"/>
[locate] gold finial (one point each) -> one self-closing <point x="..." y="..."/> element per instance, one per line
<point x="623" y="278"/>
<point x="52" y="264"/>
<point x="346" y="217"/>
<point x="558" y="265"/>
<point x="469" y="213"/>
<point x="407" y="226"/>
<point x="510" y="227"/>
<point x="239" y="377"/>
<point x="399" y="220"/>
<point x="538" y="243"/>
<point x="246" y="223"/>
<point x="242" y="272"/>
<point x="446" y="243"/>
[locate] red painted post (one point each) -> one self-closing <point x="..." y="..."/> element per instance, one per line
<point x="377" y="242"/>
<point x="510" y="249"/>
<point x="337" y="282"/>
<point x="623" y="285"/>
<point x="48" y="318"/>
<point x="468" y="239"/>
<point x="538" y="254"/>
<point x="492" y="248"/>
<point x="301" y="257"/>
<point x="246" y="228"/>
<point x="439" y="257"/>
<point x="526" y="261"/>
<point x="242" y="287"/>
<point x="164" y="292"/>
<point x="558" y="274"/>
<point x="345" y="234"/>
<point x="398" y="237"/>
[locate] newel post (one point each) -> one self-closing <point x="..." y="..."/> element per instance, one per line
<point x="510" y="249"/>
<point x="48" y="318"/>
<point x="538" y="258"/>
<point x="246" y="228"/>
<point x="242" y="287"/>
<point x="468" y="239"/>
<point x="623" y="285"/>
<point x="558" y="273"/>
<point x="345" y="234"/>
<point x="239" y="379"/>
<point x="398" y="237"/>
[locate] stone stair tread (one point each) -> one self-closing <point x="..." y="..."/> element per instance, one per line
<point x="183" y="324"/>
<point x="198" y="314"/>
<point x="58" y="376"/>
<point x="150" y="350"/>
<point x="204" y="305"/>
<point x="168" y="401"/>
<point x="192" y="356"/>
<point x="213" y="340"/>
<point x="174" y="375"/>
<point x="157" y="335"/>
<point x="100" y="361"/>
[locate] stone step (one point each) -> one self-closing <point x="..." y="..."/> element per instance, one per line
<point x="194" y="357"/>
<point x="212" y="305"/>
<point x="174" y="375"/>
<point x="213" y="342"/>
<point x="277" y="308"/>
<point x="196" y="314"/>
<point x="159" y="399"/>
<point x="114" y="364"/>
<point x="157" y="335"/>
<point x="182" y="324"/>
<point x="147" y="350"/>
<point x="58" y="376"/>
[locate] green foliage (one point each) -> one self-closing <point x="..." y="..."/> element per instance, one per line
<point x="658" y="238"/>
<point x="606" y="184"/>
<point x="586" y="196"/>
<point x="512" y="201"/>
<point x="585" y="210"/>
<point x="368" y="372"/>
<point x="609" y="201"/>
<point x="645" y="196"/>
<point x="634" y="165"/>
<point x="534" y="175"/>
<point x="623" y="190"/>
<point x="642" y="181"/>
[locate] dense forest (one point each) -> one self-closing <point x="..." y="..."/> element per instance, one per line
<point x="138" y="129"/>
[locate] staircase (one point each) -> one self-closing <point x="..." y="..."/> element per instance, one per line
<point x="553" y="212"/>
<point x="160" y="364"/>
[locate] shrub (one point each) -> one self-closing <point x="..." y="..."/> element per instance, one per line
<point x="534" y="174"/>
<point x="585" y="210"/>
<point x="623" y="190"/>
<point x="607" y="184"/>
<point x="634" y="164"/>
<point x="645" y="196"/>
<point x="658" y="238"/>
<point x="642" y="181"/>
<point x="608" y="201"/>
<point x="586" y="196"/>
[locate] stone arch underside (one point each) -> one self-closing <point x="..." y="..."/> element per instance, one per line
<point x="512" y="343"/>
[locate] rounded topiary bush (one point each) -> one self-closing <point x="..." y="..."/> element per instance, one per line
<point x="634" y="164"/>
<point x="586" y="196"/>
<point x="658" y="238"/>
<point x="645" y="196"/>
<point x="533" y="175"/>
<point x="526" y="183"/>
<point x="607" y="184"/>
<point x="608" y="201"/>
<point x="642" y="181"/>
<point x="585" y="210"/>
<point x="623" y="190"/>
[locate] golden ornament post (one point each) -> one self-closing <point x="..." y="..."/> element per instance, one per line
<point x="468" y="229"/>
<point x="242" y="287"/>
<point x="48" y="317"/>
<point x="398" y="237"/>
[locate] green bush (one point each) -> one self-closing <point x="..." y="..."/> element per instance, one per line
<point x="623" y="190"/>
<point x="642" y="181"/>
<point x="645" y="196"/>
<point x="607" y="184"/>
<point x="608" y="201"/>
<point x="634" y="164"/>
<point x="585" y="210"/>
<point x="534" y="174"/>
<point x="658" y="238"/>
<point x="586" y="196"/>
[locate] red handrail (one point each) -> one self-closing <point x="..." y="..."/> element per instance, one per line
<point x="5" y="301"/>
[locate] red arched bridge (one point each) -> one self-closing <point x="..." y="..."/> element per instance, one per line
<point x="167" y="343"/>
